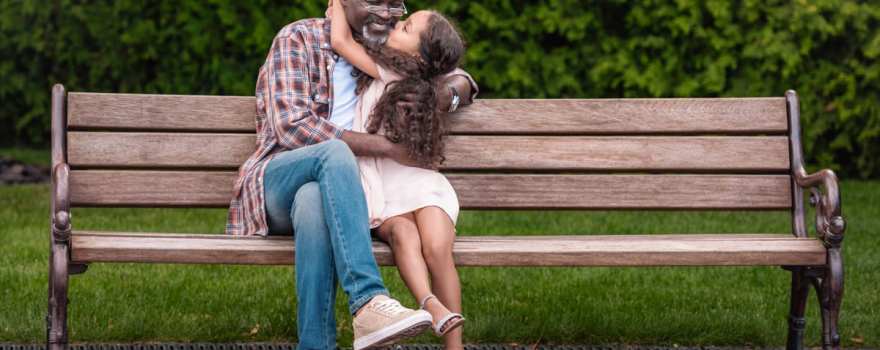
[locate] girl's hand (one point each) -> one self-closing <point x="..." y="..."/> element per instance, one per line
<point x="329" y="12"/>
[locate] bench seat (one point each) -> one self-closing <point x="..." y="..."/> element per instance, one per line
<point x="594" y="250"/>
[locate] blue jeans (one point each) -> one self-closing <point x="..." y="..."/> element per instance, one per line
<point x="315" y="193"/>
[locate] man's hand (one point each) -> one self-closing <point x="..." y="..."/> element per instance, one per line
<point x="400" y="154"/>
<point x="408" y="101"/>
<point x="370" y="145"/>
<point x="444" y="95"/>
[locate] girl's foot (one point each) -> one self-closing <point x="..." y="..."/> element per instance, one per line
<point x="444" y="320"/>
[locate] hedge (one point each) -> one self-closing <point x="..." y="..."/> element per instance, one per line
<point x="827" y="50"/>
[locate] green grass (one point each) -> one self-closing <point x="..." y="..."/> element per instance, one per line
<point x="687" y="306"/>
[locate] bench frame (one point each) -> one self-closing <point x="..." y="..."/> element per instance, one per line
<point x="827" y="280"/>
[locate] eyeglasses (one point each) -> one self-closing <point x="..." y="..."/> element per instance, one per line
<point x="394" y="11"/>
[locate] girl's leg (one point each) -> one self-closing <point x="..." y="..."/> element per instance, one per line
<point x="402" y="233"/>
<point x="438" y="235"/>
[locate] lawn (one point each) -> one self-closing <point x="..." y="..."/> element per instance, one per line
<point x="686" y="306"/>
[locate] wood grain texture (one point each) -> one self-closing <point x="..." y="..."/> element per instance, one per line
<point x="475" y="191"/>
<point x="632" y="153"/>
<point x="623" y="116"/>
<point x="161" y="112"/>
<point x="111" y="149"/>
<point x="144" y="133"/>
<point x="485" y="116"/>
<point x="152" y="188"/>
<point x="617" y="250"/>
<point x="622" y="191"/>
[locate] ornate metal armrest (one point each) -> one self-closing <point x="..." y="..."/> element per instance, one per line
<point x="61" y="194"/>
<point x="825" y="196"/>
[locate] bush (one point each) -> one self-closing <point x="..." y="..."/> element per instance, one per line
<point x="826" y="50"/>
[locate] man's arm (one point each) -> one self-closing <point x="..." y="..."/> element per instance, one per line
<point x="460" y="80"/>
<point x="289" y="89"/>
<point x="372" y="145"/>
<point x="463" y="85"/>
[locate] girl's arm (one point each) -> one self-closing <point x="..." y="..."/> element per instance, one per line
<point x="344" y="45"/>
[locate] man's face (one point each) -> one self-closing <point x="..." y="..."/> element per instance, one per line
<point x="373" y="25"/>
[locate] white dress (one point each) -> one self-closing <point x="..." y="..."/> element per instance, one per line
<point x="393" y="189"/>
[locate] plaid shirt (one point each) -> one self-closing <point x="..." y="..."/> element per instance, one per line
<point x="294" y="95"/>
<point x="293" y="106"/>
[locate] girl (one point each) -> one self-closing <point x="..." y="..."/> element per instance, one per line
<point x="412" y="209"/>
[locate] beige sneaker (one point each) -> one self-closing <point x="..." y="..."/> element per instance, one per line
<point x="384" y="321"/>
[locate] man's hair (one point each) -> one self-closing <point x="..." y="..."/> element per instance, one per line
<point x="423" y="128"/>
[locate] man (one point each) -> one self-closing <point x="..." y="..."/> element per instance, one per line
<point x="303" y="177"/>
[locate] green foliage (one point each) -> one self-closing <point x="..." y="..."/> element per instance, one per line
<point x="825" y="49"/>
<point x="185" y="47"/>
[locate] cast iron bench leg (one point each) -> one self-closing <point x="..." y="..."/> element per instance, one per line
<point x="829" y="287"/>
<point x="800" y="290"/>
<point x="56" y="320"/>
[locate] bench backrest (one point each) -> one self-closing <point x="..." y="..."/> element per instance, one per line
<point x="707" y="153"/>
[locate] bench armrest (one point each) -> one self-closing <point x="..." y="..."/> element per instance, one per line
<point x="825" y="197"/>
<point x="61" y="199"/>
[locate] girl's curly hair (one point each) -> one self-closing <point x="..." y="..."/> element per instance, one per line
<point x="421" y="128"/>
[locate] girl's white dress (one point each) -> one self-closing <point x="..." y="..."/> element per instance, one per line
<point x="393" y="189"/>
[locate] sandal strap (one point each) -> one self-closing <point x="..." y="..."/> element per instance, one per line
<point x="425" y="300"/>
<point x="440" y="328"/>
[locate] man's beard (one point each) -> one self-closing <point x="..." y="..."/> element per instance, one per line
<point x="367" y="35"/>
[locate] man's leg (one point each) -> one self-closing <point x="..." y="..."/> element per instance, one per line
<point x="315" y="270"/>
<point x="332" y="165"/>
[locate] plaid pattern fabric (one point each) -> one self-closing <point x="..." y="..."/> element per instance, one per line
<point x="292" y="110"/>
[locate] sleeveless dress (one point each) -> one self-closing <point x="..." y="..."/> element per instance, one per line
<point x="393" y="189"/>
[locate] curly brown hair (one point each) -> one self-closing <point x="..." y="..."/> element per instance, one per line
<point x="421" y="128"/>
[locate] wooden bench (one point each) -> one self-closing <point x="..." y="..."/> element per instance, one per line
<point x="129" y="150"/>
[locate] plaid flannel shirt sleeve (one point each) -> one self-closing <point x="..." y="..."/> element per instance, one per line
<point x="290" y="94"/>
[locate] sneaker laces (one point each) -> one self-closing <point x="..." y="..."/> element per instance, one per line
<point x="389" y="307"/>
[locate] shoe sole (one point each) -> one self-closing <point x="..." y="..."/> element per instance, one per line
<point x="405" y="328"/>
<point x="451" y="327"/>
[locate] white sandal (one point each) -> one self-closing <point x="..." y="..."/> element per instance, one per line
<point x="456" y="319"/>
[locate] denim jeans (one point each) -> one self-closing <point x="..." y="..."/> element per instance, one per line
<point x="315" y="193"/>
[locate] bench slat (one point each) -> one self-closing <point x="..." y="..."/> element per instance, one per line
<point x="160" y="112"/>
<point x="475" y="191"/>
<point x="486" y="116"/>
<point x="623" y="116"/>
<point x="600" y="153"/>
<point x="752" y="192"/>
<point x="617" y="250"/>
